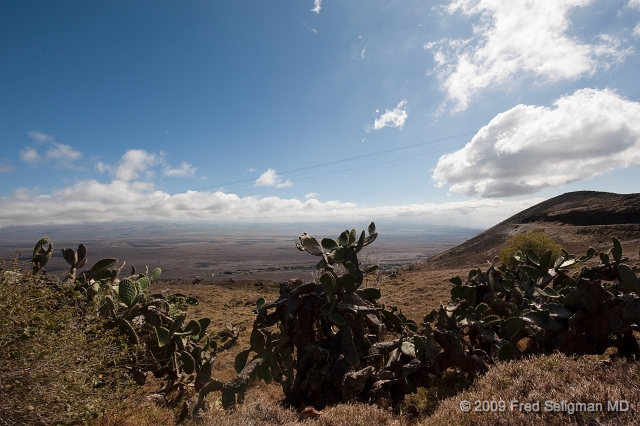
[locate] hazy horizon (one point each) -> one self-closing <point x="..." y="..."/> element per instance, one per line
<point x="196" y="249"/>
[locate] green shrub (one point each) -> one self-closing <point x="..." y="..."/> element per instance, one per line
<point x="539" y="242"/>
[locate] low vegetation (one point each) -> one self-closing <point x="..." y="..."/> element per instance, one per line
<point x="539" y="242"/>
<point x="338" y="354"/>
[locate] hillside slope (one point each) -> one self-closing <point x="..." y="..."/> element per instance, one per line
<point x="576" y="220"/>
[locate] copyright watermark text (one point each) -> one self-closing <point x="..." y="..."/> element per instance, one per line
<point x="547" y="406"/>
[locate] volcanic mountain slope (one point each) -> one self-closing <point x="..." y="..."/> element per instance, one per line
<point x="576" y="220"/>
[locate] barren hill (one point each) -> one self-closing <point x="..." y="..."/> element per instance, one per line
<point x="576" y="220"/>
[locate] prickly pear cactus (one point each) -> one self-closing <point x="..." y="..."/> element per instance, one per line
<point x="75" y="259"/>
<point x="179" y="353"/>
<point x="541" y="307"/>
<point x="324" y="342"/>
<point x="41" y="255"/>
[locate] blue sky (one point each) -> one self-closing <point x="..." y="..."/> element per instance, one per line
<point x="458" y="112"/>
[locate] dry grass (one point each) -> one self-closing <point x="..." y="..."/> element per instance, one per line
<point x="58" y="365"/>
<point x="136" y="412"/>
<point x="553" y="377"/>
<point x="416" y="293"/>
<point x="262" y="407"/>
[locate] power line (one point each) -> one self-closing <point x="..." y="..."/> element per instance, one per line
<point x="155" y="204"/>
<point x="387" y="151"/>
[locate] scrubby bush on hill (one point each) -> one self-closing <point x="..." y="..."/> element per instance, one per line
<point x="539" y="242"/>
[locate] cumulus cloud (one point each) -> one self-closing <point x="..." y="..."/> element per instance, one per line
<point x="133" y="163"/>
<point x="316" y="6"/>
<point x="634" y="4"/>
<point x="271" y="178"/>
<point x="515" y="39"/>
<point x="185" y="170"/>
<point x="58" y="154"/>
<point x="92" y="201"/>
<point x="138" y="162"/>
<point x="527" y="148"/>
<point x="392" y="118"/>
<point x="6" y="166"/>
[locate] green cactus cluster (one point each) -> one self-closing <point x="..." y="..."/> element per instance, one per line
<point x="177" y="352"/>
<point x="540" y="306"/>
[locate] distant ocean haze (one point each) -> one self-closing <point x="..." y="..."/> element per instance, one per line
<point x="216" y="252"/>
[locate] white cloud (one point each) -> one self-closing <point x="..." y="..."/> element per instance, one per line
<point x="311" y="195"/>
<point x="634" y="4"/>
<point x="132" y="163"/>
<point x="316" y="6"/>
<point x="30" y="155"/>
<point x="393" y="118"/>
<point x="516" y="39"/>
<point x="185" y="170"/>
<point x="271" y="178"/>
<point x="527" y="148"/>
<point x="39" y="136"/>
<point x="636" y="30"/>
<point x="62" y="155"/>
<point x="91" y="201"/>
<point x="138" y="162"/>
<point x="6" y="166"/>
<point x="59" y="154"/>
<point x="103" y="167"/>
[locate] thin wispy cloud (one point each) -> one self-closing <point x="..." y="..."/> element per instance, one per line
<point x="392" y="118"/>
<point x="58" y="154"/>
<point x="311" y="195"/>
<point x="40" y="136"/>
<point x="528" y="148"/>
<point x="310" y="28"/>
<point x="316" y="6"/>
<point x="6" y="166"/>
<point x="185" y="170"/>
<point x="517" y="39"/>
<point x="271" y="178"/>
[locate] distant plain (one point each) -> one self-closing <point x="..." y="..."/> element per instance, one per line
<point x="220" y="252"/>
